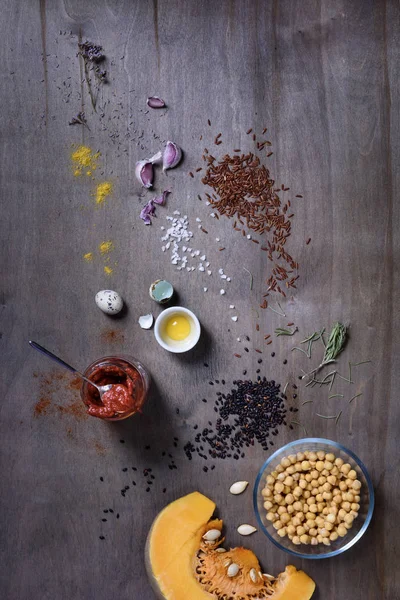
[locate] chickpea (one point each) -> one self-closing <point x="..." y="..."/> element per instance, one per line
<point x="333" y="510"/>
<point x="270" y="479"/>
<point x="335" y="471"/>
<point x="307" y="494"/>
<point x="289" y="481"/>
<point x="296" y="476"/>
<point x="314" y="483"/>
<point x="277" y="524"/>
<point x="321" y="480"/>
<point x="319" y="538"/>
<point x="310" y="501"/>
<point x="352" y="474"/>
<point x="313" y="532"/>
<point x="297" y="492"/>
<point x="282" y="510"/>
<point x="346" y="506"/>
<point x="329" y="456"/>
<point x="300" y="515"/>
<point x="319" y="466"/>
<point x="357" y="498"/>
<point x="309" y="486"/>
<point x="327" y="496"/>
<point x="343" y="486"/>
<point x="296" y="540"/>
<point x="327" y="487"/>
<point x="354" y="514"/>
<point x="279" y="469"/>
<point x="268" y="505"/>
<point x="337" y="499"/>
<point x="315" y="492"/>
<point x="285" y="518"/>
<point x="326" y="541"/>
<point x="313" y="509"/>
<point x="296" y="521"/>
<point x="285" y="462"/>
<point x="281" y="476"/>
<point x="347" y="525"/>
<point x="305" y="465"/>
<point x="308" y="477"/>
<point x="328" y="526"/>
<point x="278" y="498"/>
<point x="289" y="499"/>
<point x="292" y="458"/>
<point x="297" y="505"/>
<point x="282" y="532"/>
<point x="300" y="456"/>
<point x="314" y="541"/>
<point x="356" y="485"/>
<point x="290" y="509"/>
<point x="328" y="465"/>
<point x="305" y="539"/>
<point x="325" y="510"/>
<point x="290" y="470"/>
<point x="355" y="506"/>
<point x="319" y="521"/>
<point x="349" y="483"/>
<point x="341" y="514"/>
<point x="291" y="529"/>
<point x="312" y="456"/>
<point x="324" y="532"/>
<point x="300" y="530"/>
<point x="279" y="487"/>
<point x="321" y="455"/>
<point x="315" y="474"/>
<point x="271" y="516"/>
<point x="266" y="493"/>
<point x="331" y="518"/>
<point x="297" y="467"/>
<point x="310" y="522"/>
<point x="339" y="462"/>
<point x="320" y="506"/>
<point x="334" y="536"/>
<point x="286" y="490"/>
<point x="345" y="469"/>
<point x="319" y="497"/>
<point x="349" y="519"/>
<point x="303" y="484"/>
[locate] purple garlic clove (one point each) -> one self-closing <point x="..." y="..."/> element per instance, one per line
<point x="155" y="102"/>
<point x="172" y="155"/>
<point x="144" y="170"/>
<point x="147" y="211"/>
<point x="161" y="199"/>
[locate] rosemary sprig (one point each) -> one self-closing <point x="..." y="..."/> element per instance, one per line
<point x="306" y="402"/>
<point x="336" y="396"/>
<point x="282" y="314"/>
<point x="300" y="425"/>
<point x="251" y="278"/>
<point x="326" y="417"/>
<point x="80" y="119"/>
<point x="338" y="417"/>
<point x="280" y="331"/>
<point x="335" y="345"/>
<point x="354" y="397"/>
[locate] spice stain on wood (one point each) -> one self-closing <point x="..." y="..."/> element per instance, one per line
<point x="112" y="336"/>
<point x="42" y="5"/>
<point x="156" y="32"/>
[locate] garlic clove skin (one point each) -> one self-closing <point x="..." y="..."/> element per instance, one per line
<point x="155" y="102"/>
<point x="146" y="321"/>
<point x="238" y="487"/>
<point x="172" y="156"/>
<point x="246" y="529"/>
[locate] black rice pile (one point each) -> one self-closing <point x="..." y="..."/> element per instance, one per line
<point x="251" y="412"/>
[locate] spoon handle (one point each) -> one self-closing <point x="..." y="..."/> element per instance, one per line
<point x="53" y="357"/>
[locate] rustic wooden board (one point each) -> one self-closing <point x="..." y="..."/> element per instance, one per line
<point x="323" y="77"/>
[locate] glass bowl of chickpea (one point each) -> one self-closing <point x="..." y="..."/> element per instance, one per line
<point x="313" y="498"/>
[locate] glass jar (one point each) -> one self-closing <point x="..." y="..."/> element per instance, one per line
<point x="130" y="381"/>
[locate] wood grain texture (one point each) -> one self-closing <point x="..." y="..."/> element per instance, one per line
<point x="324" y="78"/>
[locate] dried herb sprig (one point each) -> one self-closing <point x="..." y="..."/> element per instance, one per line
<point x="251" y="278"/>
<point x="335" y="345"/>
<point x="92" y="55"/>
<point x="80" y="119"/>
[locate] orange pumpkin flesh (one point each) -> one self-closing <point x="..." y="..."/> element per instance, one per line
<point x="182" y="566"/>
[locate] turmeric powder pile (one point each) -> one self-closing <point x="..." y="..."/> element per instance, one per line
<point x="102" y="191"/>
<point x="84" y="160"/>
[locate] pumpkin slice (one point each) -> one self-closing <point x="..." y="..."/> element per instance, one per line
<point x="183" y="564"/>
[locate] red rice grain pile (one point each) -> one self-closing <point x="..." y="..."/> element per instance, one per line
<point x="244" y="189"/>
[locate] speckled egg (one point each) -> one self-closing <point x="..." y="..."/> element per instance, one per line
<point x="109" y="302"/>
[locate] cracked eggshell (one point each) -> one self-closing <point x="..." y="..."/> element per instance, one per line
<point x="109" y="301"/>
<point x="161" y="291"/>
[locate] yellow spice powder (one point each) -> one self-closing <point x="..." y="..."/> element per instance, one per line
<point x="88" y="256"/>
<point x="108" y="270"/>
<point x="83" y="157"/>
<point x="106" y="247"/>
<point x="102" y="191"/>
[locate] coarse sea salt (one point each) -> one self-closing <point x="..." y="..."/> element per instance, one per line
<point x="222" y="292"/>
<point x="234" y="319"/>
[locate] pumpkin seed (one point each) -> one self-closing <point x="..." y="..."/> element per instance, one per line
<point x="220" y="550"/>
<point x="269" y="577"/>
<point x="227" y="562"/>
<point x="246" y="529"/>
<point x="211" y="535"/>
<point x="253" y="575"/>
<point x="238" y="487"/>
<point x="233" y="570"/>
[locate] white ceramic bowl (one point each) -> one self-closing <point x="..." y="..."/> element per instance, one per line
<point x="172" y="345"/>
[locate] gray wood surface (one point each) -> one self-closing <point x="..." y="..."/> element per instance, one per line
<point x="324" y="78"/>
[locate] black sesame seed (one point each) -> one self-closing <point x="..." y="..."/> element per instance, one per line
<point x="101" y="537"/>
<point x="285" y="362"/>
<point x="211" y="382"/>
<point x="177" y="411"/>
<point x="272" y="354"/>
<point x="147" y="447"/>
<point x="164" y="490"/>
<point x="117" y="515"/>
<point x="104" y="520"/>
<point x="259" y="361"/>
<point x="122" y="441"/>
<point x="111" y="510"/>
<point x="147" y="489"/>
<point x="101" y="478"/>
<point x="125" y="469"/>
<point x="105" y="510"/>
<point x="204" y="400"/>
<point x="206" y="364"/>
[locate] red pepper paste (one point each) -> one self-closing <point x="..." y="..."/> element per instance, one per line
<point x="126" y="395"/>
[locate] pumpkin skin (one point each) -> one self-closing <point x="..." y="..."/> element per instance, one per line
<point x="182" y="566"/>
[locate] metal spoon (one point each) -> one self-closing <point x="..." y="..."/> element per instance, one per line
<point x="102" y="389"/>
